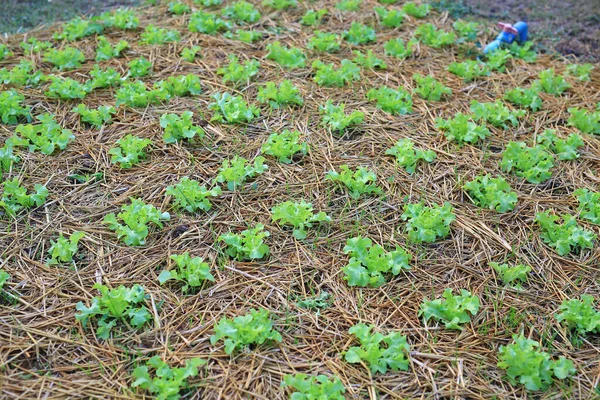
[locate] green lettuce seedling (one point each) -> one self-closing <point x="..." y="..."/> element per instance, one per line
<point x="287" y="57"/>
<point x="359" y="34"/>
<point x="370" y="262"/>
<point x="66" y="88"/>
<point x="358" y="182"/>
<point x="241" y="12"/>
<point x="491" y="193"/>
<point x="178" y="128"/>
<point x="566" y="237"/>
<point x="431" y="36"/>
<point x="139" y="67"/>
<point x="580" y="71"/>
<point x="335" y="76"/>
<point x="532" y="163"/>
<point x="11" y="108"/>
<point x="122" y="304"/>
<point x="450" y="309"/>
<point x="348" y="5"/>
<point x="67" y="58"/>
<point x="284" y="146"/>
<point x="15" y="198"/>
<point x="136" y="217"/>
<point x="430" y="89"/>
<point x="188" y="195"/>
<point x="525" y="97"/>
<point x="247" y="245"/>
<point x="313" y="17"/>
<point x="314" y="387"/>
<point x="378" y="351"/>
<point x="255" y="327"/>
<point x="62" y="250"/>
<point x="189" y="53"/>
<point x="527" y="365"/>
<point x="103" y="78"/>
<point x="280" y="4"/>
<point x="337" y="120"/>
<point x="238" y="73"/>
<point x="427" y="224"/>
<point x="460" y="130"/>
<point x="278" y="96"/>
<point x="368" y="60"/>
<point x="417" y="11"/>
<point x="469" y="69"/>
<point x="237" y="170"/>
<point x="549" y="83"/>
<point x="579" y="315"/>
<point x="514" y="275"/>
<point x="96" y="118"/>
<point x="232" y="109"/>
<point x="565" y="149"/>
<point x="136" y="94"/>
<point x="389" y="18"/>
<point x="589" y="205"/>
<point x="407" y="156"/>
<point x="246" y="36"/>
<point x="153" y="35"/>
<point x="203" y="22"/>
<point x="167" y="381"/>
<point x="192" y="271"/>
<point x="324" y="41"/>
<point x="298" y="215"/>
<point x="496" y="113"/>
<point x="393" y="101"/>
<point x="106" y="50"/>
<point x="129" y="151"/>
<point x="584" y="120"/>
<point x="178" y="8"/>
<point x="397" y="48"/>
<point x="45" y="137"/>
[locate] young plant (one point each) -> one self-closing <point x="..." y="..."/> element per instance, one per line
<point x="527" y="365"/>
<point x="491" y="193"/>
<point x="369" y="262"/>
<point x="287" y="57"/>
<point x="4" y="277"/>
<point x="397" y="48"/>
<point x="11" y="108"/>
<point x="417" y="11"/>
<point x="359" y="34"/>
<point x="5" y="52"/>
<point x="460" y="130"/>
<point x="237" y="170"/>
<point x="67" y="58"/>
<point x="580" y="71"/>
<point x="246" y="36"/>
<point x="407" y="156"/>
<point x="314" y="387"/>
<point x="298" y="215"/>
<point x="167" y="381"/>
<point x="358" y="182"/>
<point x="497" y="59"/>
<point x="129" y="151"/>
<point x="589" y="205"/>
<point x="550" y="83"/>
<point x="232" y="109"/>
<point x="584" y="120"/>
<point x="495" y="113"/>
<point x="313" y="17"/>
<point x="22" y="74"/>
<point x="380" y="352"/>
<point x="515" y="274"/>
<point x="565" y="149"/>
<point x="336" y="76"/>
<point x="15" y="198"/>
<point x="278" y="96"/>
<point x="450" y="309"/>
<point x="33" y="45"/>
<point x="121" y="18"/>
<point x="566" y="237"/>
<point x="62" y="250"/>
<point x="315" y="302"/>
<point x="426" y="224"/>
<point x="431" y="36"/>
<point x="203" y="22"/>
<point x="284" y="146"/>
<point x="115" y="305"/>
<point x="525" y="97"/>
<point x="180" y="85"/>
<point x="7" y="159"/>
<point x="95" y="117"/>
<point x="178" y="128"/>
<point x="78" y="28"/>
<point x="389" y="18"/>
<point x="136" y="217"/>
<point x="580" y="315"/>
<point x="103" y="78"/>
<point x="136" y="94"/>
<point x="368" y="60"/>
<point x="255" y="327"/>
<point x="153" y="35"/>
<point x="191" y="271"/>
<point x="241" y="12"/>
<point x="66" y="89"/>
<point x="467" y="31"/>
<point x="532" y="163"/>
<point x="238" y="73"/>
<point x="178" y="8"/>
<point x="523" y="51"/>
<point x="336" y="118"/>
<point x="280" y="4"/>
<point x="139" y="67"/>
<point x="469" y="69"/>
<point x="324" y="41"/>
<point x="430" y="89"/>
<point x="106" y="51"/>
<point x="348" y="5"/>
<point x="188" y="195"/>
<point x="395" y="102"/>
<point x="45" y="137"/>
<point x="189" y="53"/>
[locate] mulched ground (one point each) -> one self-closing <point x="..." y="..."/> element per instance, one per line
<point x="45" y="353"/>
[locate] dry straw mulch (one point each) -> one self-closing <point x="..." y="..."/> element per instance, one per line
<point x="45" y="352"/>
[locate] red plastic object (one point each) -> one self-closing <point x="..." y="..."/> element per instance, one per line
<point x="508" y="28"/>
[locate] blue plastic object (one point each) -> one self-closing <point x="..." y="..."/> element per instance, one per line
<point x="509" y="34"/>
